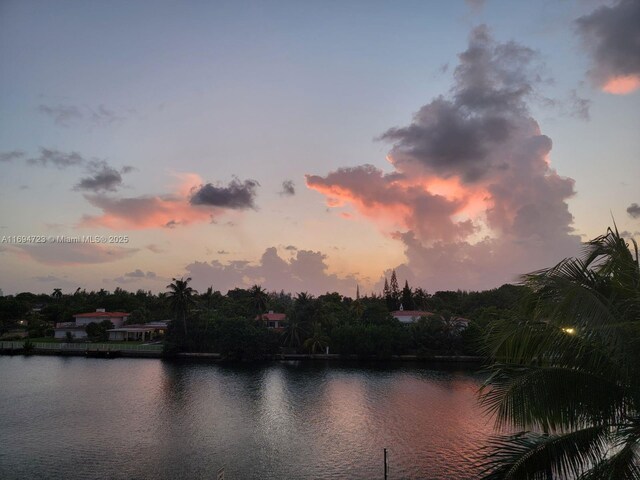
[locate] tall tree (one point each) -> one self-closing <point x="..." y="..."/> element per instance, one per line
<point x="181" y="300"/>
<point x="393" y="283"/>
<point x="420" y="299"/>
<point x="565" y="371"/>
<point x="260" y="299"/>
<point x="407" y="297"/>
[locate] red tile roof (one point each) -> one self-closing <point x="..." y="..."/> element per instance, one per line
<point x="101" y="314"/>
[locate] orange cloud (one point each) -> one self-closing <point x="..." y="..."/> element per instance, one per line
<point x="150" y="211"/>
<point x="144" y="212"/>
<point x="431" y="206"/>
<point x="622" y="85"/>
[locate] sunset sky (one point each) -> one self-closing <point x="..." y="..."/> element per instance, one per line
<point x="315" y="145"/>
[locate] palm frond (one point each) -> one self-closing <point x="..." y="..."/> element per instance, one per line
<point x="531" y="456"/>
<point x="623" y="465"/>
<point x="552" y="399"/>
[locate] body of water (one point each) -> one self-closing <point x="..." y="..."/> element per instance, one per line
<point x="76" y="418"/>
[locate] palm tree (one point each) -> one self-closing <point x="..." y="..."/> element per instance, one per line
<point x="565" y="375"/>
<point x="318" y="339"/>
<point x="303" y="299"/>
<point x="57" y="294"/>
<point x="260" y="298"/>
<point x="181" y="299"/>
<point x="294" y="331"/>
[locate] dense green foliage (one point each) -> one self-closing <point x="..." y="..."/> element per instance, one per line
<point x="565" y="373"/>
<point x="226" y="323"/>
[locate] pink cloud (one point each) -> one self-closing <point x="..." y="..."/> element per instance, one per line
<point x="167" y="211"/>
<point x="144" y="212"/>
<point x="622" y="85"/>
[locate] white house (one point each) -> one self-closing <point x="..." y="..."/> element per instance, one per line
<point x="144" y="331"/>
<point x="63" y="327"/>
<point x="77" y="328"/>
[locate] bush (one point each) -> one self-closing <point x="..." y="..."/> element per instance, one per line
<point x="28" y="346"/>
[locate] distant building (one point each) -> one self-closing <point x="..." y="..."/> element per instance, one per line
<point x="412" y="316"/>
<point x="63" y="328"/>
<point x="409" y="316"/>
<point x="276" y="321"/>
<point x="78" y="328"/>
<point x="143" y="331"/>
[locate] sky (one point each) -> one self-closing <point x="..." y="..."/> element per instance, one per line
<point x="312" y="146"/>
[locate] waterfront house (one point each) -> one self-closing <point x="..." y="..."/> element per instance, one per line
<point x="276" y="321"/>
<point x="76" y="331"/>
<point x="142" y="331"/>
<point x="78" y="327"/>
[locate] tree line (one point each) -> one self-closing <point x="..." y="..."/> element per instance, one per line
<point x="211" y="321"/>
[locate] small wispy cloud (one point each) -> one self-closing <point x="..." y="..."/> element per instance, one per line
<point x="70" y="115"/>
<point x="12" y="155"/>
<point x="102" y="178"/>
<point x="62" y="115"/>
<point x="288" y="188"/>
<point x="51" y="156"/>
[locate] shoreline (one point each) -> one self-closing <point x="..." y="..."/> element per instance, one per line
<point x="116" y="352"/>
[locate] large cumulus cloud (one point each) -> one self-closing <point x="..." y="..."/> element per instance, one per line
<point x="472" y="191"/>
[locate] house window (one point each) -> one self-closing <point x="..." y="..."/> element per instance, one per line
<point x="272" y="324"/>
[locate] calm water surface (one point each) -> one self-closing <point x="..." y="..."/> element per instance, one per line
<point x="76" y="418"/>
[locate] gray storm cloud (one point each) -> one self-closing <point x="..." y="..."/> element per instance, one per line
<point x="237" y="195"/>
<point x="481" y="141"/>
<point x="611" y="35"/>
